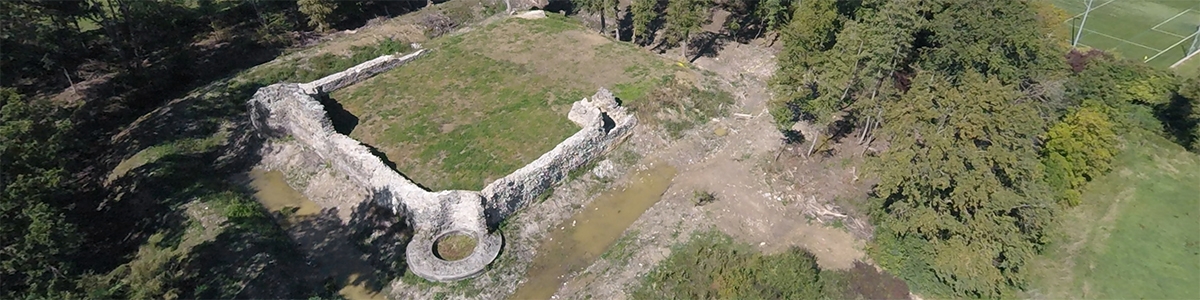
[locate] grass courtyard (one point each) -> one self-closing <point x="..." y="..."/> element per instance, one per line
<point x="1158" y="32"/>
<point x="1135" y="234"/>
<point x="486" y="102"/>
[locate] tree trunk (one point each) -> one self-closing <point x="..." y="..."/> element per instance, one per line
<point x="761" y="26"/>
<point x="866" y="128"/>
<point x="602" y="23"/>
<point x="814" y="145"/>
<point x="687" y="38"/>
<point x="617" y="19"/>
<point x="258" y="13"/>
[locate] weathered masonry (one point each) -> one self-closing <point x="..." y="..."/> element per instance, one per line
<point x="292" y="109"/>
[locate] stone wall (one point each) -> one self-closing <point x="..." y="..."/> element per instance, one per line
<point x="358" y="73"/>
<point x="604" y="125"/>
<point x="290" y="109"/>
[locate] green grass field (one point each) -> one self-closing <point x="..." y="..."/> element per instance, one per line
<point x="1190" y="67"/>
<point x="489" y="101"/>
<point x="1155" y="31"/>
<point x="1137" y="233"/>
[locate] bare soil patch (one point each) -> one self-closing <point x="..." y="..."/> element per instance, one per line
<point x="727" y="157"/>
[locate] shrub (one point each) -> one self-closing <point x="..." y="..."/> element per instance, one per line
<point x="1078" y="149"/>
<point x="700" y="198"/>
<point x="711" y="265"/>
<point x="436" y="24"/>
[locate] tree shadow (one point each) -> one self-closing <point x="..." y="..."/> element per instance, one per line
<point x="743" y="25"/>
<point x="707" y="44"/>
<point x="863" y="281"/>
<point x="149" y="199"/>
<point x="625" y="25"/>
<point x="282" y="255"/>
<point x="251" y="258"/>
<point x="359" y="14"/>
<point x="1176" y="120"/>
<point x="565" y="7"/>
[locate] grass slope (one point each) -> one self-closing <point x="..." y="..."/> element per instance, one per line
<point x="488" y="101"/>
<point x="1136" y="234"/>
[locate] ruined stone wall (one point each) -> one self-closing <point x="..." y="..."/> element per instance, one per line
<point x="285" y="109"/>
<point x="358" y="73"/>
<point x="290" y="109"/>
<point x="604" y="125"/>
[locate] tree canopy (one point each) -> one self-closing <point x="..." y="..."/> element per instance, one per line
<point x="981" y="113"/>
<point x="962" y="177"/>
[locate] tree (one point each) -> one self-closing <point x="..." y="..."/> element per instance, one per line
<point x="37" y="244"/>
<point x="40" y="39"/>
<point x="319" y="12"/>
<point x="644" y="13"/>
<point x="594" y="6"/>
<point x="1078" y="150"/>
<point x="1189" y="100"/>
<point x="811" y="32"/>
<point x="825" y="75"/>
<point x="685" y="17"/>
<point x="1005" y="39"/>
<point x="773" y="14"/>
<point x="961" y="204"/>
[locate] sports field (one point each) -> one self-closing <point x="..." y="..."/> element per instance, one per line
<point x="1158" y="32"/>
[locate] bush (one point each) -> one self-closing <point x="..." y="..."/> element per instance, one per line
<point x="700" y="198"/>
<point x="711" y="265"/>
<point x="436" y="24"/>
<point x="1078" y="150"/>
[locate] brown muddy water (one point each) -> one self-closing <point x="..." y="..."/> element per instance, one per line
<point x="577" y="243"/>
<point x="273" y="192"/>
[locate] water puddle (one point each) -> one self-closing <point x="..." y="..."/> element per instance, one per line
<point x="273" y="192"/>
<point x="360" y="291"/>
<point x="579" y="241"/>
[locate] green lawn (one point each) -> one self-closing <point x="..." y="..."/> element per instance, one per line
<point x="486" y="102"/>
<point x="1156" y="31"/>
<point x="1137" y="233"/>
<point x="1189" y="68"/>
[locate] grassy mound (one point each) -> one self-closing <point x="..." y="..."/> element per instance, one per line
<point x="1134" y="235"/>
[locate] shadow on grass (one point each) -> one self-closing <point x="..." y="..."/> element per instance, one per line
<point x="249" y="257"/>
<point x="343" y="120"/>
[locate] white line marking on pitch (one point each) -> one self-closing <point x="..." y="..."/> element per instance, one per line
<point x="1164" y="32"/>
<point x="1172" y="18"/>
<point x="1094" y="8"/>
<point x="1171" y="47"/>
<point x="1124" y="40"/>
<point x="1185" y="58"/>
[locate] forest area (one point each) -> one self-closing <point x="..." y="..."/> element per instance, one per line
<point x="75" y="74"/>
<point x="994" y="123"/>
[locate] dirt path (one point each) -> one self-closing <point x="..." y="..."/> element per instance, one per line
<point x="725" y="157"/>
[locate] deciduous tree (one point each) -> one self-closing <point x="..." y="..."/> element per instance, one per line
<point x="1078" y="149"/>
<point x="319" y="12"/>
